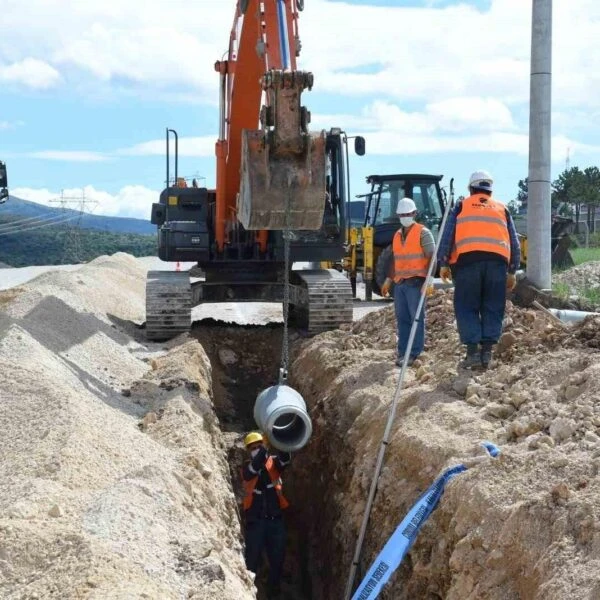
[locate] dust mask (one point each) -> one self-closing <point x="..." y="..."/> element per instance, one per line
<point x="254" y="452"/>
<point x="407" y="221"/>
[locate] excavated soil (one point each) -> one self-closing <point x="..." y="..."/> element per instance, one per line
<point x="120" y="458"/>
<point x="525" y="525"/>
<point x="115" y="482"/>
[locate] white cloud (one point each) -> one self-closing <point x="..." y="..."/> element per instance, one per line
<point x="187" y="146"/>
<point x="31" y="73"/>
<point x="69" y="155"/>
<point x="130" y="201"/>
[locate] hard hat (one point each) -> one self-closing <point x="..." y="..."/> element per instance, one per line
<point x="405" y="206"/>
<point x="481" y="180"/>
<point x="252" y="438"/>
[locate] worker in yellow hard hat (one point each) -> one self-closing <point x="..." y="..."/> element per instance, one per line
<point x="263" y="505"/>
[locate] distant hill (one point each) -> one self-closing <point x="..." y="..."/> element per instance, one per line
<point x="23" y="243"/>
<point x="17" y="208"/>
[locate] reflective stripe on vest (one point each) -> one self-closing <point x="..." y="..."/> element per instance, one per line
<point x="409" y="258"/>
<point x="250" y="486"/>
<point x="481" y="227"/>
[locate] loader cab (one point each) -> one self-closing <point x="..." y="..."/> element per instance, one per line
<point x="3" y="183"/>
<point x="380" y="212"/>
<point x="387" y="190"/>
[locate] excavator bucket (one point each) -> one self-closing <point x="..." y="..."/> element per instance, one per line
<point x="283" y="165"/>
<point x="270" y="180"/>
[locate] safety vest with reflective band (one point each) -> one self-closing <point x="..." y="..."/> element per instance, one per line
<point x="481" y="227"/>
<point x="251" y="491"/>
<point x="409" y="258"/>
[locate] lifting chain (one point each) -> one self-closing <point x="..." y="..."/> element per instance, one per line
<point x="287" y="234"/>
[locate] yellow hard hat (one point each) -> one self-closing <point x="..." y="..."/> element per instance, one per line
<point x="253" y="437"/>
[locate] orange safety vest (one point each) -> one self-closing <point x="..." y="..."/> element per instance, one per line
<point x="409" y="258"/>
<point x="481" y="227"/>
<point x="250" y="486"/>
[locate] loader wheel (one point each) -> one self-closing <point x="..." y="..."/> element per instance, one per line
<point x="382" y="268"/>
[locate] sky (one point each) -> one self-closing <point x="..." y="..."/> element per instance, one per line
<point x="435" y="86"/>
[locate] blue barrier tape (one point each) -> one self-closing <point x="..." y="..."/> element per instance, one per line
<point x="400" y="542"/>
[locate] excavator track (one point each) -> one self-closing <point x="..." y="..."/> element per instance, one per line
<point x="168" y="304"/>
<point x="327" y="302"/>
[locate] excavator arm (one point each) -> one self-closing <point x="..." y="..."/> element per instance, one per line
<point x="270" y="169"/>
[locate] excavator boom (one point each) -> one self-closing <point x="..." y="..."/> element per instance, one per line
<point x="270" y="169"/>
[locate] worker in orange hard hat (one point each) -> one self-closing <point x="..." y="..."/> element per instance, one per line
<point x="413" y="246"/>
<point x="263" y="505"/>
<point x="480" y="252"/>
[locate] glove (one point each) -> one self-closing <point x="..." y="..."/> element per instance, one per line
<point x="446" y="274"/>
<point x="385" y="288"/>
<point x="429" y="291"/>
<point x="511" y="281"/>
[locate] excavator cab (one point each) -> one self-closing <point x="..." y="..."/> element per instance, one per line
<point x="3" y="183"/>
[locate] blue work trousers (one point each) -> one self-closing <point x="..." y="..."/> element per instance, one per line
<point x="479" y="300"/>
<point x="406" y="300"/>
<point x="266" y="535"/>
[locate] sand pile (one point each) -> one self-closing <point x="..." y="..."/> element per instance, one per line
<point x="115" y="481"/>
<point x="526" y="525"/>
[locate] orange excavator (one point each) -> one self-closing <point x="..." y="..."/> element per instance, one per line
<point x="281" y="191"/>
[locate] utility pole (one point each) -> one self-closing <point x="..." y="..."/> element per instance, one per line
<point x="539" y="212"/>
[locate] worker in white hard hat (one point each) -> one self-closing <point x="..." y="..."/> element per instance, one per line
<point x="413" y="246"/>
<point x="263" y="505"/>
<point x="480" y="252"/>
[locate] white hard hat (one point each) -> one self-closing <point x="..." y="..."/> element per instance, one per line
<point x="405" y="206"/>
<point x="481" y="180"/>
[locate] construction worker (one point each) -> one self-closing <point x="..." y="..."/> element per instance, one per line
<point x="263" y="505"/>
<point x="413" y="246"/>
<point x="480" y="252"/>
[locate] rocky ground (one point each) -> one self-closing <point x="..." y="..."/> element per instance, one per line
<point x="526" y="525"/>
<point x="120" y="457"/>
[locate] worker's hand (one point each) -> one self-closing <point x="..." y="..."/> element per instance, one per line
<point x="511" y="281"/>
<point x="385" y="288"/>
<point x="446" y="274"/>
<point x="429" y="291"/>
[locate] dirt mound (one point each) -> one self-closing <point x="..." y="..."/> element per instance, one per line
<point x="115" y="480"/>
<point x="586" y="275"/>
<point x="526" y="525"/>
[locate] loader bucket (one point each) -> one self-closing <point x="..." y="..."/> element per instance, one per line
<point x="269" y="180"/>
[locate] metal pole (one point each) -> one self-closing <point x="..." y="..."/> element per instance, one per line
<point x="539" y="263"/>
<point x="393" y="408"/>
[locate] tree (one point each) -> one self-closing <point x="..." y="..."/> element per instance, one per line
<point x="513" y="207"/>
<point x="523" y="195"/>
<point x="569" y="189"/>
<point x="591" y="194"/>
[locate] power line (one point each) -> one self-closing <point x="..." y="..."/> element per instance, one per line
<point x="72" y="251"/>
<point x="18" y="230"/>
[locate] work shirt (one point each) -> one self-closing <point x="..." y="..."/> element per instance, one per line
<point x="266" y="503"/>
<point x="447" y="243"/>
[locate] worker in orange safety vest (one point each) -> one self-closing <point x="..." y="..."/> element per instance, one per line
<point x="479" y="251"/>
<point x="263" y="505"/>
<point x="413" y="246"/>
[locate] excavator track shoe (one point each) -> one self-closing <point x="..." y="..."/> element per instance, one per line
<point x="168" y="304"/>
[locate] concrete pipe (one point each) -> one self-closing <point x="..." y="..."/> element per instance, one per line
<point x="280" y="412"/>
<point x="572" y="316"/>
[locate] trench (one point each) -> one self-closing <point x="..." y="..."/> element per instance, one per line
<point x="245" y="360"/>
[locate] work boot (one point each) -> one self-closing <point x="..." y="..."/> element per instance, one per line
<point x="411" y="360"/>
<point x="472" y="359"/>
<point x="486" y="355"/>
